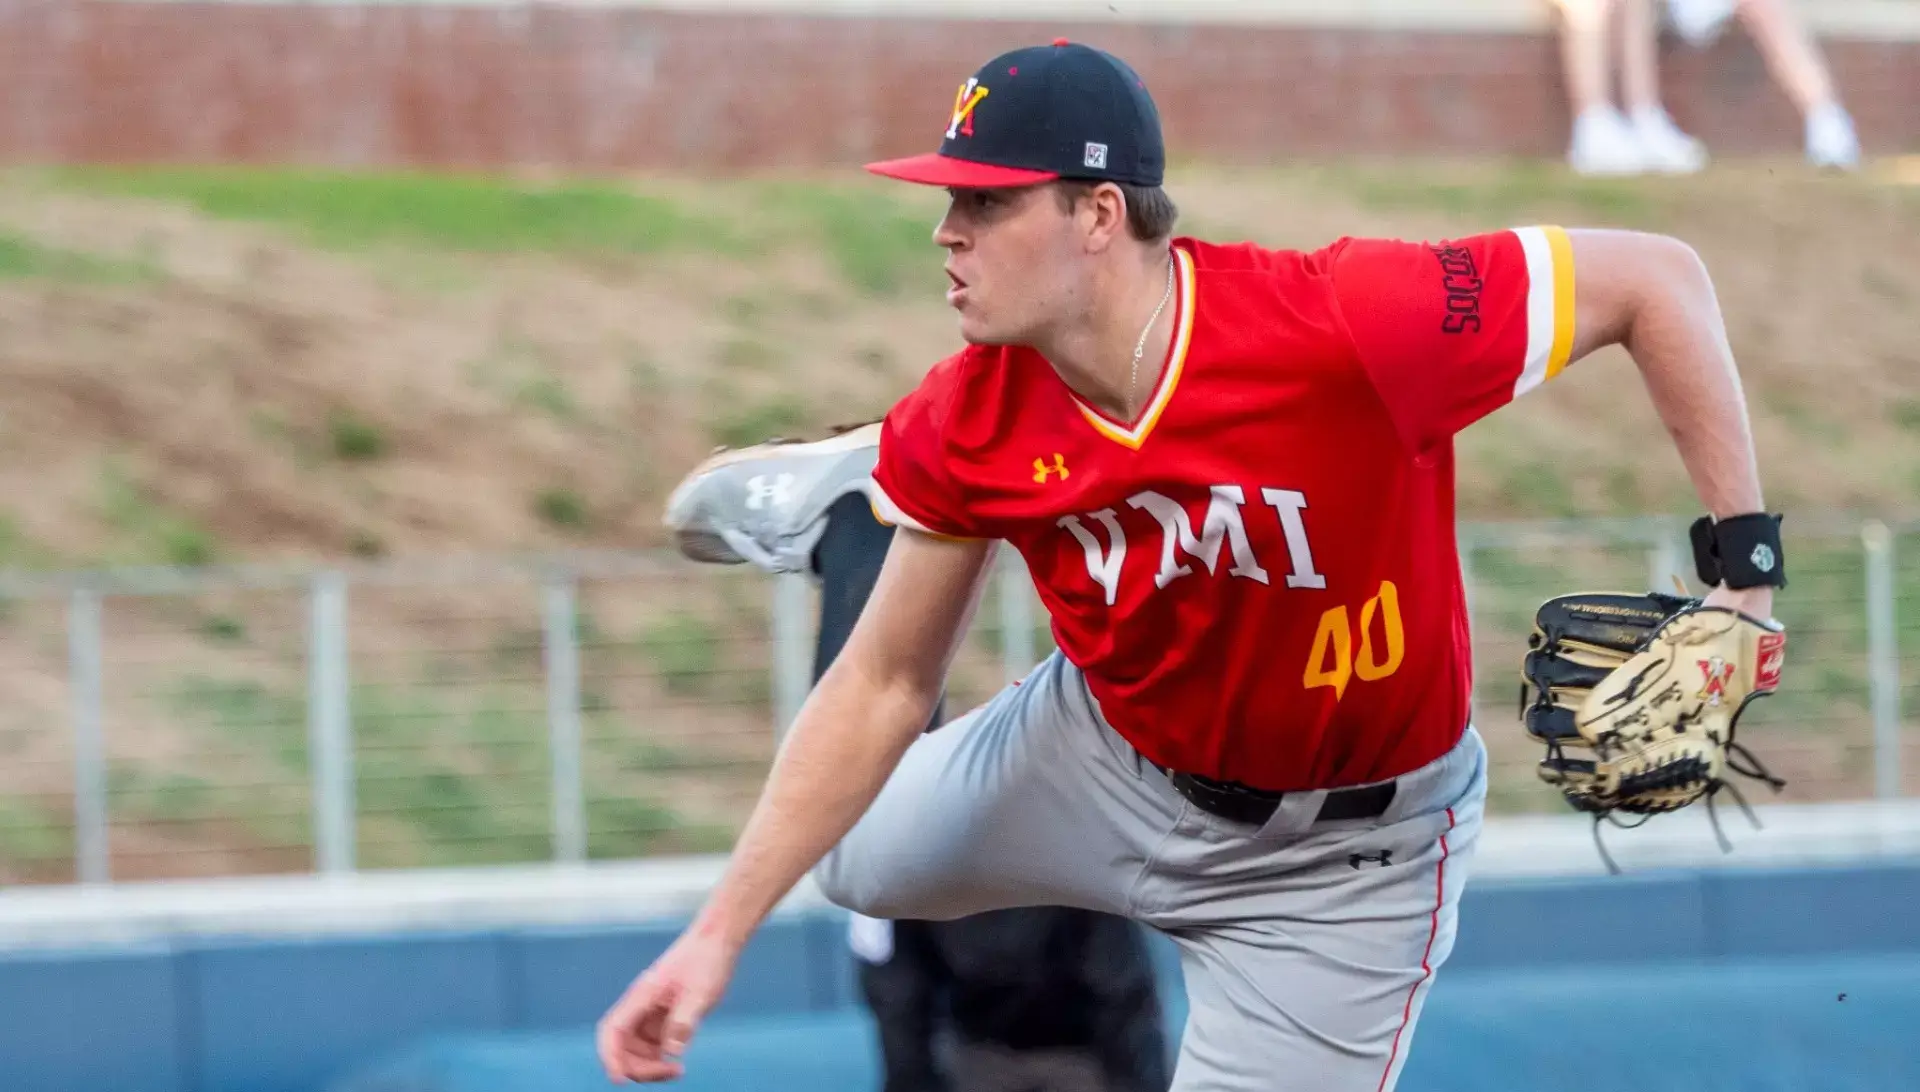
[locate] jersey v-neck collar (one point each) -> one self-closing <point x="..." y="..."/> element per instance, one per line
<point x="1133" y="434"/>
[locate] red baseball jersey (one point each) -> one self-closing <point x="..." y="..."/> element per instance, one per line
<point x="1258" y="576"/>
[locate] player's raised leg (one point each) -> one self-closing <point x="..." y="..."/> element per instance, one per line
<point x="1307" y="965"/>
<point x="1029" y="800"/>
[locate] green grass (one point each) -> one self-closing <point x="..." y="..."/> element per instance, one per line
<point x="32" y="835"/>
<point x="223" y="628"/>
<point x="879" y="239"/>
<point x="18" y="550"/>
<point x="881" y="245"/>
<point x="437" y="782"/>
<point x="470" y="213"/>
<point x="147" y="532"/>
<point x="550" y="396"/>
<point x="1515" y="190"/>
<point x="748" y="354"/>
<point x="141" y="794"/>
<point x="880" y="242"/>
<point x="685" y="650"/>
<point x="562" y="508"/>
<point x="23" y="259"/>
<point x="354" y="438"/>
<point x="273" y="724"/>
<point x="744" y="426"/>
<point x="1540" y="487"/>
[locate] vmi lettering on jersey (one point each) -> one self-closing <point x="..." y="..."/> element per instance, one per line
<point x="1223" y="524"/>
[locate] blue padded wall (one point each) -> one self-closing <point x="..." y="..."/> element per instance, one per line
<point x="94" y="1019"/>
<point x="1766" y="951"/>
<point x="286" y="1016"/>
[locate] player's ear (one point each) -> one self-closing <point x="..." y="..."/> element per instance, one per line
<point x="1102" y="209"/>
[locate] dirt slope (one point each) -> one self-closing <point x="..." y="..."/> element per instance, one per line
<point x="294" y="400"/>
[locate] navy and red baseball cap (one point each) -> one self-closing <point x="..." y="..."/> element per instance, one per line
<point x="1060" y="111"/>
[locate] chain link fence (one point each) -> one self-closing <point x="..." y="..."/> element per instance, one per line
<point x="168" y="723"/>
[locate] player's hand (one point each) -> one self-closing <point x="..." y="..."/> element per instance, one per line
<point x="643" y="1035"/>
<point x="1754" y="602"/>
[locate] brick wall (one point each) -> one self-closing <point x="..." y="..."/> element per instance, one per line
<point x="607" y="87"/>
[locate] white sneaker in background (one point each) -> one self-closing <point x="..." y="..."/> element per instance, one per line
<point x="1667" y="148"/>
<point x="1699" y="21"/>
<point x="1604" y="143"/>
<point x="1831" y="141"/>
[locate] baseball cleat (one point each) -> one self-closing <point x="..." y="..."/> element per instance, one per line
<point x="766" y="505"/>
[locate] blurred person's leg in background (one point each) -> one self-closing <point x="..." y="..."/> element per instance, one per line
<point x="1796" y="62"/>
<point x="1034" y="999"/>
<point x="1662" y="143"/>
<point x="1603" y="140"/>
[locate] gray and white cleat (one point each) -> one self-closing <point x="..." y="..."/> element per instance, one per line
<point x="766" y="505"/>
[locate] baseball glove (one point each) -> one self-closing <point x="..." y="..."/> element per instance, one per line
<point x="1636" y="698"/>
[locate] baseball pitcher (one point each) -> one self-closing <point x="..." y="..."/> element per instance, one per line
<point x="1230" y="471"/>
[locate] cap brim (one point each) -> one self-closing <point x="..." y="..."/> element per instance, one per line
<point x="934" y="169"/>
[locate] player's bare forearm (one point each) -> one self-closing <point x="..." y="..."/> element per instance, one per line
<point x="849" y="736"/>
<point x="1652" y="295"/>
<point x="867" y="709"/>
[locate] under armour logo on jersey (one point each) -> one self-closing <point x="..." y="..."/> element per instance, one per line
<point x="1382" y="858"/>
<point x="1041" y="469"/>
<point x="763" y="489"/>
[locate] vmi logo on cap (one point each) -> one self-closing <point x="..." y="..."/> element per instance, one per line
<point x="963" y="103"/>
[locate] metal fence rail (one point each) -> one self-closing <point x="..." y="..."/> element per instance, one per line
<point x="171" y="723"/>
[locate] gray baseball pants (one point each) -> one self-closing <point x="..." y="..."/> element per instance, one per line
<point x="1307" y="947"/>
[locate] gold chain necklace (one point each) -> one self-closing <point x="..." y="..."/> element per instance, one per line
<point x="1140" y="347"/>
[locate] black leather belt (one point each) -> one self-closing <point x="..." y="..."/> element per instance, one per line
<point x="1239" y="803"/>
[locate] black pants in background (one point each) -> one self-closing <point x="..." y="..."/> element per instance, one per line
<point x="1035" y="999"/>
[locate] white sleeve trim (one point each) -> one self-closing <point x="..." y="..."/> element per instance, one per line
<point x="1540" y="308"/>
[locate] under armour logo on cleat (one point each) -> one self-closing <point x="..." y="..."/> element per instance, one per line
<point x="1382" y="858"/>
<point x="763" y="490"/>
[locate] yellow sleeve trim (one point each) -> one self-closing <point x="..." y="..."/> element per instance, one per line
<point x="1562" y="249"/>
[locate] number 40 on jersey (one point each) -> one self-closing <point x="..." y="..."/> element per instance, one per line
<point x="1342" y="650"/>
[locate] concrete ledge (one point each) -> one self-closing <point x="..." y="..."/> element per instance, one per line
<point x="652" y="891"/>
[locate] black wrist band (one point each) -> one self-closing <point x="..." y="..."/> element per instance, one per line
<point x="1740" y="551"/>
